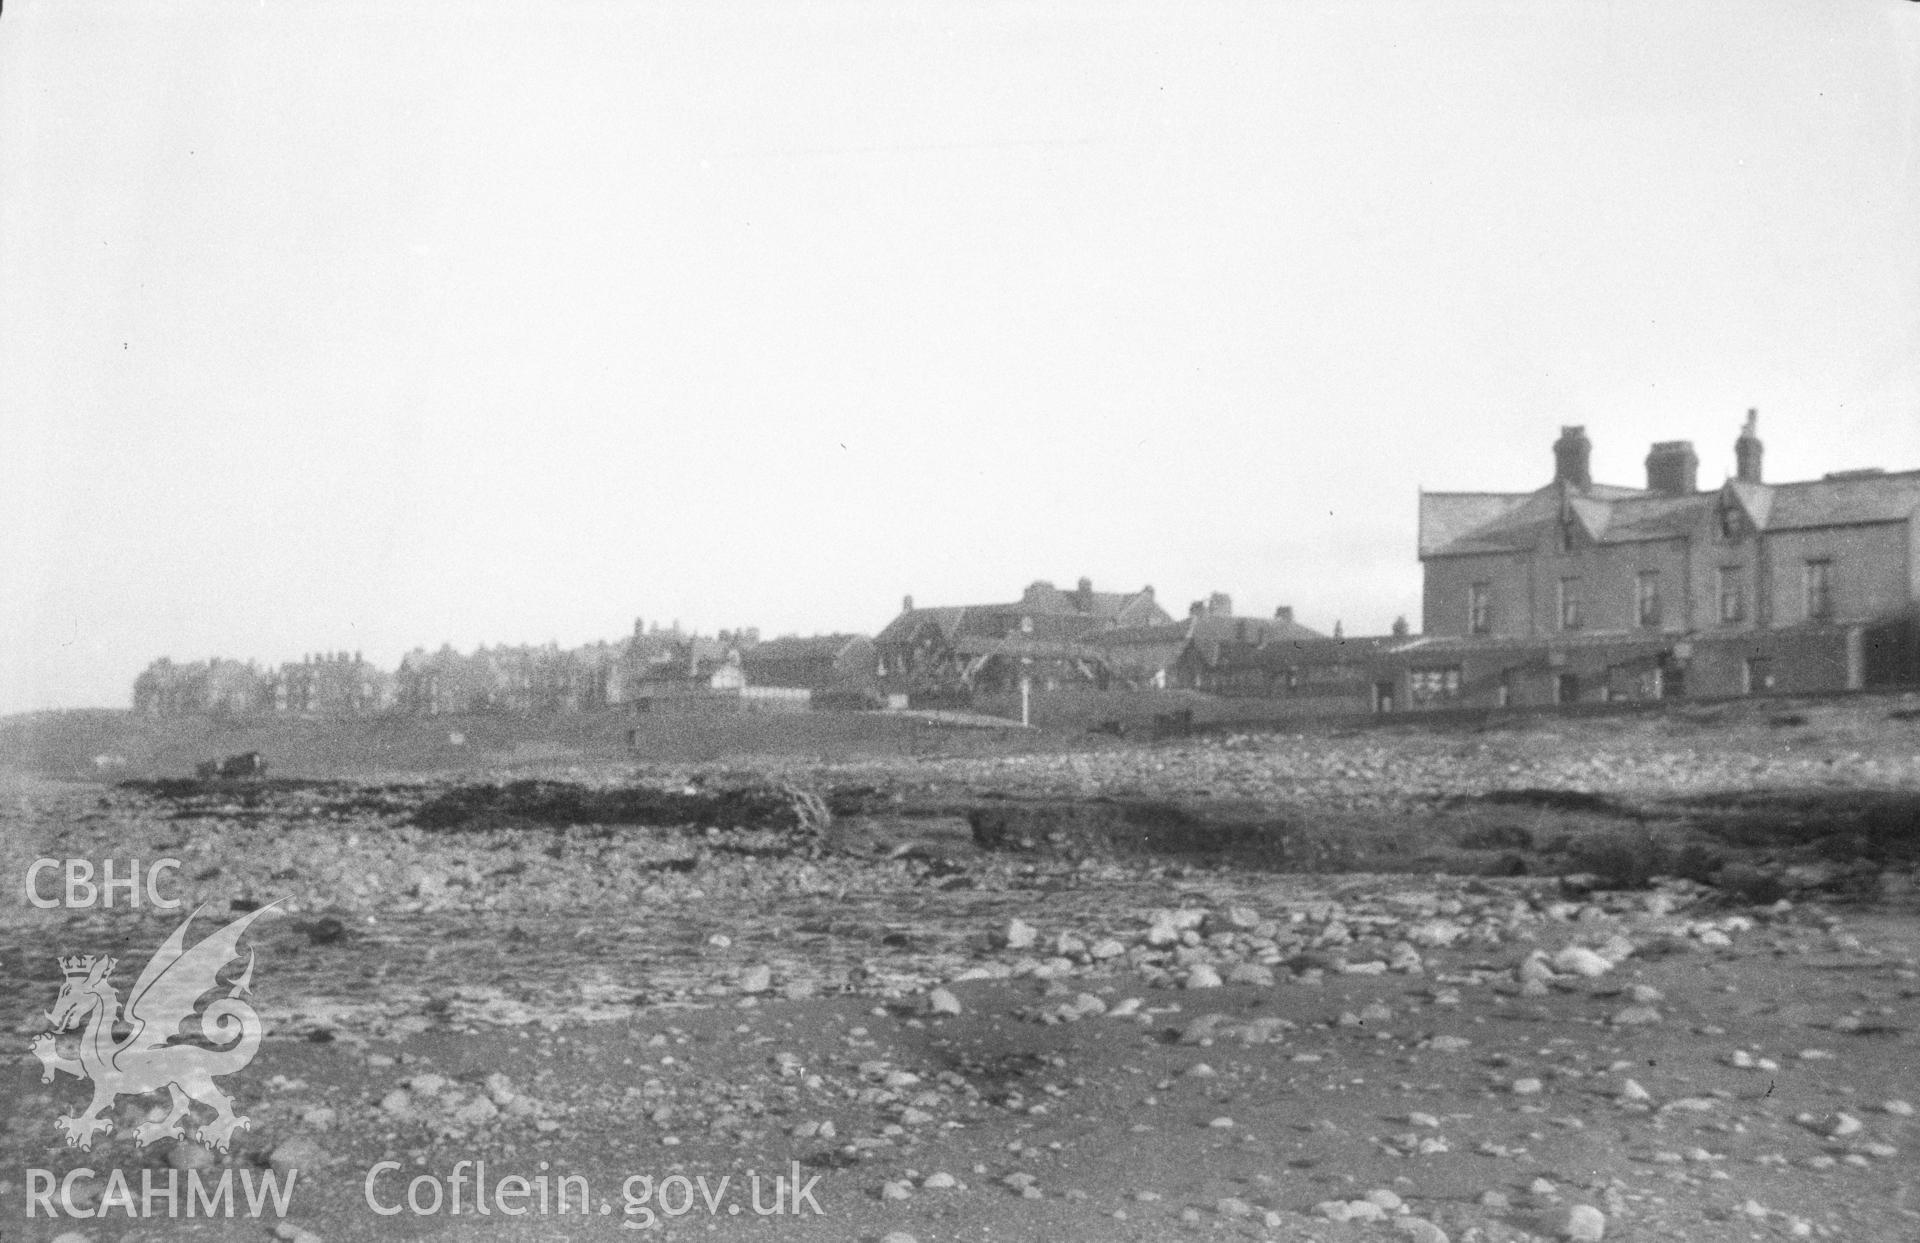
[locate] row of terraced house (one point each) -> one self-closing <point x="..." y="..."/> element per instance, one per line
<point x="648" y="665"/>
<point x="1574" y="592"/>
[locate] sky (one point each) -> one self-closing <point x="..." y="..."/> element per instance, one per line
<point x="358" y="326"/>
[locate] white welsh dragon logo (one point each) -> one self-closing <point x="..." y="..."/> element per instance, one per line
<point x="145" y="1059"/>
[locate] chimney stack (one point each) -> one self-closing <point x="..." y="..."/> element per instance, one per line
<point x="1283" y="613"/>
<point x="1673" y="468"/>
<point x="1084" y="592"/>
<point x="1572" y="455"/>
<point x="1747" y="450"/>
<point x="906" y="604"/>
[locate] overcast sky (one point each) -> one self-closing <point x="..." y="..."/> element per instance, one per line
<point x="368" y="326"/>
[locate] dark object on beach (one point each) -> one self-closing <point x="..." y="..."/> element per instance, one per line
<point x="246" y="764"/>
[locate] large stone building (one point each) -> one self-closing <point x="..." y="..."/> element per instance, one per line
<point x="547" y="679"/>
<point x="331" y="684"/>
<point x="1082" y="640"/>
<point x="1046" y="636"/>
<point x="1602" y="591"/>
<point x="323" y="684"/>
<point x="216" y="687"/>
<point x="792" y="673"/>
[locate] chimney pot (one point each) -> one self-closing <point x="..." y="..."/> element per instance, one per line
<point x="906" y="604"/>
<point x="1283" y="613"/>
<point x="1572" y="458"/>
<point x="1673" y="468"/>
<point x="1747" y="451"/>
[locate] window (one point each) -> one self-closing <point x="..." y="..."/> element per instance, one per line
<point x="1569" y="604"/>
<point x="1568" y="539"/>
<point x="1729" y="522"/>
<point x="1733" y="594"/>
<point x="1819" y="590"/>
<point x="1432" y="686"/>
<point x="1480" y="608"/>
<point x="1646" y="598"/>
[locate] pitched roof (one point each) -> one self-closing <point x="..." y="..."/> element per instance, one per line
<point x="1112" y="605"/>
<point x="1591" y="514"/>
<point x="1303" y="654"/>
<point x="1207" y="627"/>
<point x="903" y="627"/>
<point x="1128" y="636"/>
<point x="1450" y="523"/>
<point x="1836" y="502"/>
<point x="1449" y="517"/>
<point x="1212" y="626"/>
<point x="1453" y="523"/>
<point x="1054" y="613"/>
<point x="1024" y="645"/>
<point x="1651" y="516"/>
<point x="1632" y="641"/>
<point x="1755" y="498"/>
<point x="799" y="647"/>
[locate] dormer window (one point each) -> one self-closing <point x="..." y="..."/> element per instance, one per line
<point x="1569" y="533"/>
<point x="1730" y="527"/>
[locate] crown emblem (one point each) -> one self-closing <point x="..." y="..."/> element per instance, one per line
<point x="81" y="965"/>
